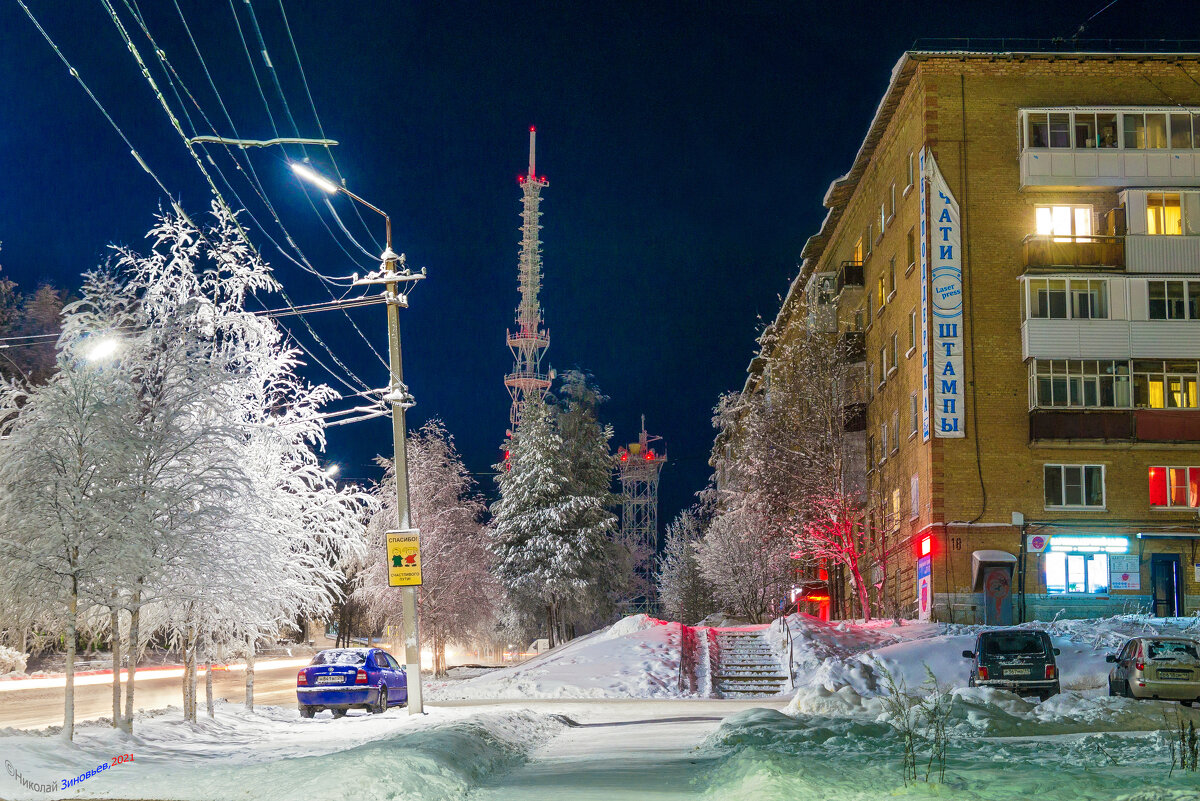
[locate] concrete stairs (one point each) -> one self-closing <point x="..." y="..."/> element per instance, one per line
<point x="748" y="666"/>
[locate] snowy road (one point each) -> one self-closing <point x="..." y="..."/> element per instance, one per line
<point x="41" y="707"/>
<point x="616" y="750"/>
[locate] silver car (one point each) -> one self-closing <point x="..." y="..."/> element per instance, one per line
<point x="1156" y="667"/>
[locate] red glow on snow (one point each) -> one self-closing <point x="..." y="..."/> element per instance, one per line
<point x="817" y="598"/>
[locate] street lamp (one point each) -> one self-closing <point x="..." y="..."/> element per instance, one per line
<point x="333" y="470"/>
<point x="390" y="277"/>
<point x="102" y="349"/>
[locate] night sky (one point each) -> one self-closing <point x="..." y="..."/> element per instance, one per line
<point x="687" y="147"/>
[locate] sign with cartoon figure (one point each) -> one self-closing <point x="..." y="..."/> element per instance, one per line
<point x="404" y="558"/>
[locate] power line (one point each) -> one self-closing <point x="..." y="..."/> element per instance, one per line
<point x="133" y="49"/>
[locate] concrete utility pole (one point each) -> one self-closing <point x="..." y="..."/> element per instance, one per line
<point x="391" y="275"/>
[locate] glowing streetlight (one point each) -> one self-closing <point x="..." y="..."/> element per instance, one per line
<point x="333" y="470"/>
<point x="104" y="348"/>
<point x="314" y="178"/>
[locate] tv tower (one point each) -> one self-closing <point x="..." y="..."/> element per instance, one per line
<point x="530" y="339"/>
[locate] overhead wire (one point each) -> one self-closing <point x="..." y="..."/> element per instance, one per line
<point x="221" y="200"/>
<point x="253" y="178"/>
<point x="321" y="128"/>
<point x="270" y="68"/>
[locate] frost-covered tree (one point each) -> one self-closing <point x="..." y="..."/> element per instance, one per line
<point x="745" y="562"/>
<point x="683" y="592"/>
<point x="454" y="599"/>
<point x="186" y="467"/>
<point x="546" y="539"/>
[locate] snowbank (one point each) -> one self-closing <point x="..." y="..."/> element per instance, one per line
<point x="242" y="755"/>
<point x="636" y="657"/>
<point x="771" y="756"/>
<point x="827" y="657"/>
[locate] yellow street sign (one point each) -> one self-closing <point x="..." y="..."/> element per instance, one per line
<point x="404" y="558"/>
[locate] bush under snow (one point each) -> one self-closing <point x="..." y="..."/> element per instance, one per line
<point x="12" y="660"/>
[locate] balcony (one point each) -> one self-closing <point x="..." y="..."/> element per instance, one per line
<point x="852" y="347"/>
<point x="1141" y="425"/>
<point x="1163" y="254"/>
<point x="854" y="417"/>
<point x="1074" y="251"/>
<point x="1076" y="424"/>
<point x="850" y="274"/>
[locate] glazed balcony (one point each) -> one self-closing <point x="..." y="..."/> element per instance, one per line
<point x="1074" y="251"/>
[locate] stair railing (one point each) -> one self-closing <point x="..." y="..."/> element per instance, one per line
<point x="790" y="646"/>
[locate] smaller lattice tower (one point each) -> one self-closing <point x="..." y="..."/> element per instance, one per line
<point x="638" y="468"/>
<point x="530" y="339"/>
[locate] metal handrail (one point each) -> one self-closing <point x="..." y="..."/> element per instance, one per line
<point x="790" y="647"/>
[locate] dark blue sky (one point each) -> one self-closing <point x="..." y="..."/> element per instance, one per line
<point x="687" y="147"/>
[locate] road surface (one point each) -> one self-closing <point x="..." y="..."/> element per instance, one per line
<point x="274" y="684"/>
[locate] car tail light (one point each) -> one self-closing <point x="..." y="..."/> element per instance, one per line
<point x="361" y="677"/>
<point x="1049" y="671"/>
<point x="302" y="678"/>
<point x="983" y="672"/>
<point x="1140" y="665"/>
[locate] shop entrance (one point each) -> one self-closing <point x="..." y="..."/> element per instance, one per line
<point x="1166" y="585"/>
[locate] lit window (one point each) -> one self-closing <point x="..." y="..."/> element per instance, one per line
<point x="1164" y="215"/>
<point x="857" y="256"/>
<point x="1076" y="573"/>
<point x="1073" y="485"/>
<point x="1064" y="221"/>
<point x="1169" y="384"/>
<point x="1175" y="486"/>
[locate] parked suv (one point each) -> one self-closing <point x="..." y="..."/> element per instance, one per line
<point x="1020" y="660"/>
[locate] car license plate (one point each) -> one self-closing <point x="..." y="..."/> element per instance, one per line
<point x="329" y="679"/>
<point x="1174" y="674"/>
<point x="1016" y="671"/>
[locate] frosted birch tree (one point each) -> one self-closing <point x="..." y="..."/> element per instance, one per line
<point x="454" y="601"/>
<point x="683" y="591"/>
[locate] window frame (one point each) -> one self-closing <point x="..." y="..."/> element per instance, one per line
<point x="1191" y="487"/>
<point x="1083" y="484"/>
<point x="1069" y="287"/>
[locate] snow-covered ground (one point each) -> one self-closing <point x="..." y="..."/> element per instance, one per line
<point x="567" y="734"/>
<point x="272" y="753"/>
<point x="637" y="657"/>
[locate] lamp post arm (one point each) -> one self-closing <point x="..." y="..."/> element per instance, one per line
<point x="386" y="218"/>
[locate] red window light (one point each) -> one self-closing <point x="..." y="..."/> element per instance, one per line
<point x="301" y="678"/>
<point x="926" y="545"/>
<point x="360" y="677"/>
<point x="1158" y="486"/>
<point x="822" y="574"/>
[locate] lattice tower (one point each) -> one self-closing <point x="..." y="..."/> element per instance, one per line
<point x="530" y="339"/>
<point x="638" y="468"/>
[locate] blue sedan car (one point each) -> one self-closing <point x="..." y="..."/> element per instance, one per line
<point x="340" y="679"/>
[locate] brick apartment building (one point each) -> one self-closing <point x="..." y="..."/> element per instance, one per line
<point x="1015" y="254"/>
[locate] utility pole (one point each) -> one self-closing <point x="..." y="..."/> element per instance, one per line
<point x="401" y="400"/>
<point x="393" y="273"/>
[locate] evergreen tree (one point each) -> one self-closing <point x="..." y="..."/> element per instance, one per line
<point x="546" y="539"/>
<point x="590" y="475"/>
